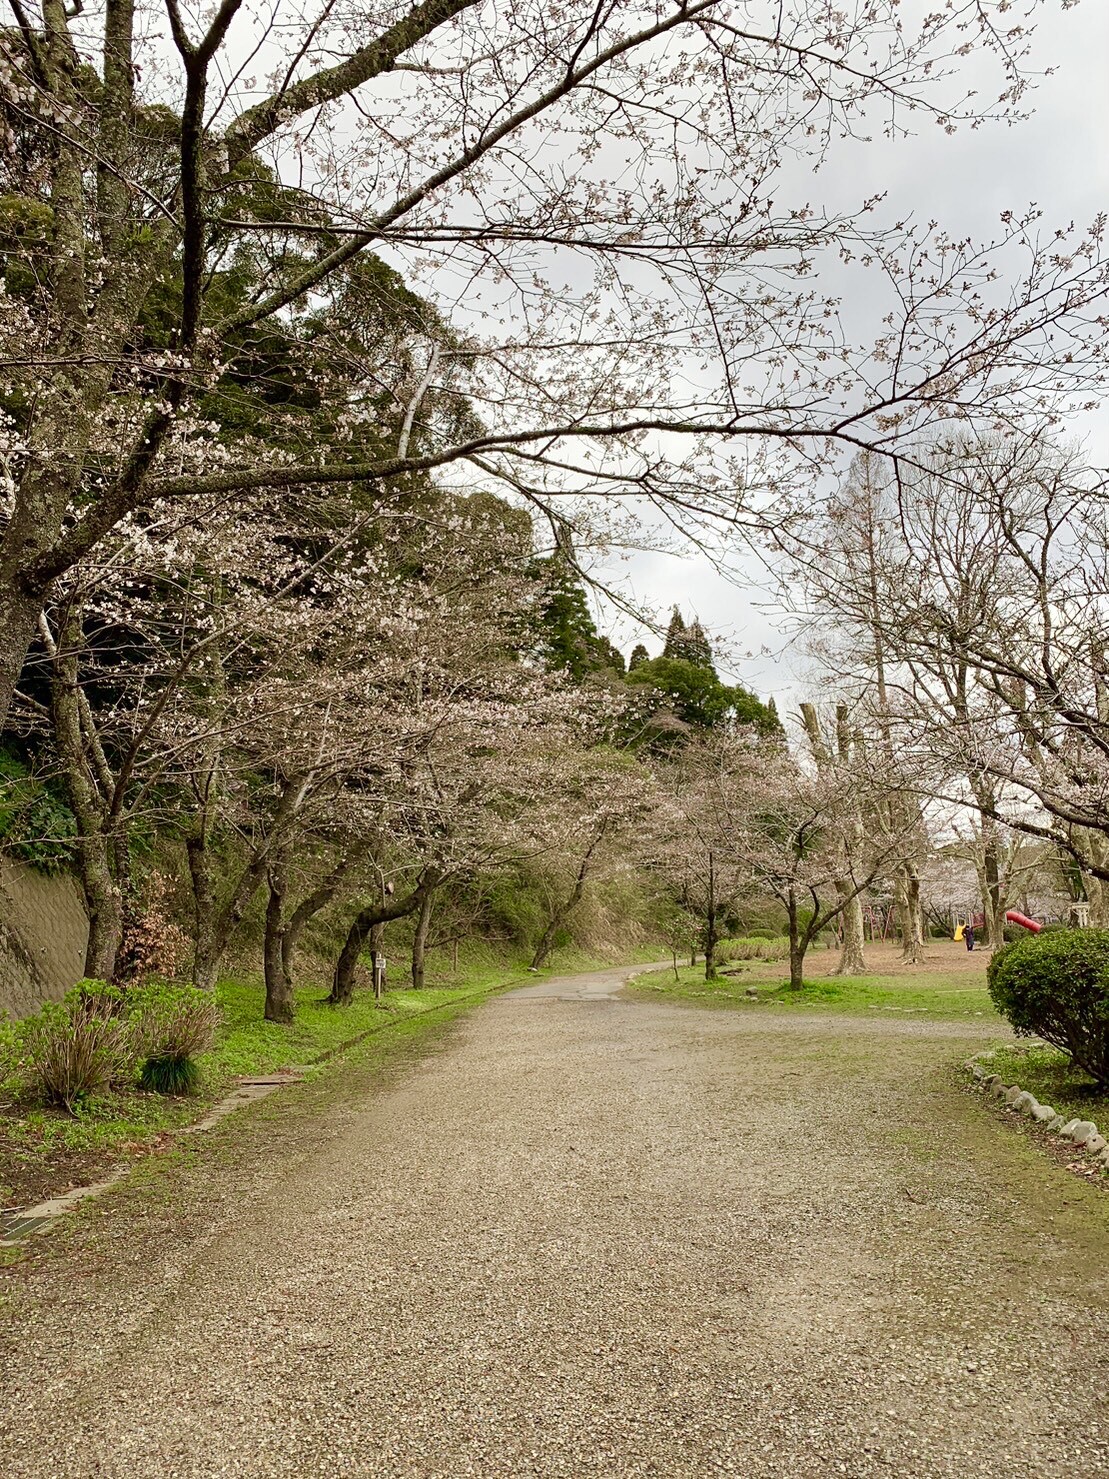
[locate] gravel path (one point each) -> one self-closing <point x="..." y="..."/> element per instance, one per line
<point x="585" y="1236"/>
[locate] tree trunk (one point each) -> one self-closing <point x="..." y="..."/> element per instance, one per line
<point x="19" y="613"/>
<point x="852" y="960"/>
<point x="419" y="941"/>
<point x="325" y="893"/>
<point x="90" y="785"/>
<point x="910" y="915"/>
<point x="796" y="965"/>
<point x="342" y="985"/>
<point x="105" y="909"/>
<point x="797" y="945"/>
<point x="205" y="958"/>
<point x="710" y="924"/>
<point x="280" y="1001"/>
<point x="361" y="929"/>
<point x="993" y="901"/>
<point x="564" y="910"/>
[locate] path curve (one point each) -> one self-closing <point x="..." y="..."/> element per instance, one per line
<point x="586" y="1235"/>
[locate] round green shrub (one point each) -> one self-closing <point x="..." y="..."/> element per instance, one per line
<point x="1056" y="986"/>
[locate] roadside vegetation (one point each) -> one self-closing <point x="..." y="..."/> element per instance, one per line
<point x="945" y="985"/>
<point x="1053" y="1077"/>
<point x="47" y="1148"/>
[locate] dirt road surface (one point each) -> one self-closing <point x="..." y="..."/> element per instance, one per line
<point x="582" y="1235"/>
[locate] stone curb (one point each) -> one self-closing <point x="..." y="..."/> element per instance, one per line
<point x="1084" y="1135"/>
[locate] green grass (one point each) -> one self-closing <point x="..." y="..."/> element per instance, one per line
<point x="925" y="993"/>
<point x="247" y="1045"/>
<point x="1051" y="1076"/>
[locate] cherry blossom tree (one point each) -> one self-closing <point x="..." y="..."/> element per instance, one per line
<point x="785" y="830"/>
<point x="597" y="805"/>
<point x="965" y="603"/>
<point x="205" y="212"/>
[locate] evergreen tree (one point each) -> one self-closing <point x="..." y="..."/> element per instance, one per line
<point x="696" y="697"/>
<point x="675" y="636"/>
<point x="688" y="643"/>
<point x="568" y="636"/>
<point x="697" y="648"/>
<point x="639" y="655"/>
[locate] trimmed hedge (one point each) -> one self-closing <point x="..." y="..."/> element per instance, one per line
<point x="1056" y="986"/>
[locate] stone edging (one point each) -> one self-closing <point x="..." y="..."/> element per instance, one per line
<point x="1084" y="1135"/>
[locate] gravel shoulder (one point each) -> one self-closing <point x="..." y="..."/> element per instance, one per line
<point x="575" y="1234"/>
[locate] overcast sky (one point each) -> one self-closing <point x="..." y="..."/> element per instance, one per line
<point x="1056" y="159"/>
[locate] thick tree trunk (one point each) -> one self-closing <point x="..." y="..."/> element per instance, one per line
<point x="342" y="985"/>
<point x="19" y="613"/>
<point x="105" y="925"/>
<point x="852" y="960"/>
<point x="419" y="941"/>
<point x="796" y="965"/>
<point x="910" y="914"/>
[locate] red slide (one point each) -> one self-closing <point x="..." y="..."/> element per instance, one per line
<point x="1029" y="924"/>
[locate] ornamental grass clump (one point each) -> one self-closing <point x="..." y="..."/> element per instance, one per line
<point x="75" y="1049"/>
<point x="1056" y="986"/>
<point x="172" y="1026"/>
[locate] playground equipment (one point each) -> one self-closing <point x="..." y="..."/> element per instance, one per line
<point x="1013" y="916"/>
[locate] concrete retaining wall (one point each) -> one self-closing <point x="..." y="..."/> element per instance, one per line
<point x="43" y="933"/>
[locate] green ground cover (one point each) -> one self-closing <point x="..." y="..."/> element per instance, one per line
<point x="1051" y="1076"/>
<point x="127" y="1120"/>
<point x="925" y="991"/>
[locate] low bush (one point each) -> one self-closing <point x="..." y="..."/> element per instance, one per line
<point x="75" y="1049"/>
<point x="1056" y="986"/>
<point x="11" y="1053"/>
<point x="171" y="1027"/>
<point x="99" y="1036"/>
